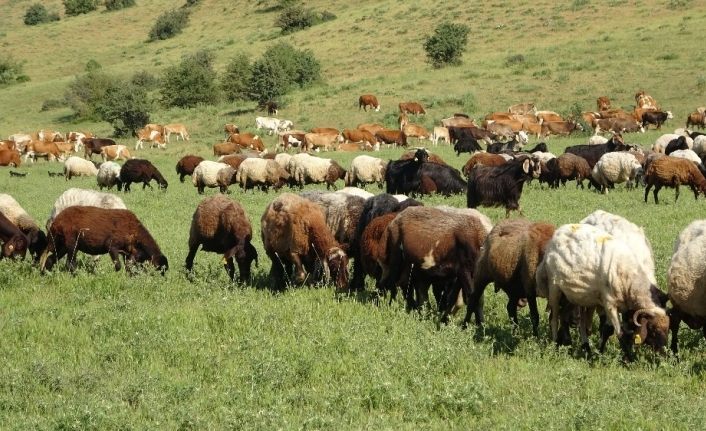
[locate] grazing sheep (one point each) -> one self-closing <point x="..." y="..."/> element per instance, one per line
<point x="673" y="172"/>
<point x="283" y="159"/>
<point x="365" y="170"/>
<point x="615" y="168"/>
<point x="567" y="167"/>
<point x="206" y="175"/>
<point x="11" y="209"/>
<point x="597" y="140"/>
<point x="342" y="213"/>
<point x="688" y="155"/>
<point x="186" y="165"/>
<point x="501" y="185"/>
<point x="591" y="268"/>
<point x="676" y="144"/>
<point x="482" y="158"/>
<point x="307" y="169"/>
<point x="372" y="250"/>
<point x="220" y="225"/>
<point x="97" y="231"/>
<point x="141" y="171"/>
<point x="686" y="280"/>
<point x="700" y="145"/>
<point x="14" y="242"/>
<point x="75" y="166"/>
<point x="294" y="233"/>
<point x="263" y="173"/>
<point x="509" y="258"/>
<point x="660" y="145"/>
<point x="542" y="156"/>
<point x="355" y="191"/>
<point x="109" y="175"/>
<point x="225" y="178"/>
<point x="82" y="197"/>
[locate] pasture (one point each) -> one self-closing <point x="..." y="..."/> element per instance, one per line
<point x="104" y="350"/>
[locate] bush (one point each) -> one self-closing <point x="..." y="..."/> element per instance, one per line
<point x="294" y="18"/>
<point x="144" y="79"/>
<point x="87" y="92"/>
<point x="92" y="65"/>
<point x="118" y="4"/>
<point x="37" y="14"/>
<point x="126" y="107"/>
<point x="190" y="3"/>
<point x="77" y="7"/>
<point x="268" y="81"/>
<point x="50" y="104"/>
<point x="191" y="82"/>
<point x="447" y="44"/>
<point x="235" y="79"/>
<point x="169" y="24"/>
<point x="11" y="71"/>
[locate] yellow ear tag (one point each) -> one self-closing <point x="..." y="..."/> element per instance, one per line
<point x="638" y="339"/>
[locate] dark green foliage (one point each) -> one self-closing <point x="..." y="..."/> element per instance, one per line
<point x="11" y="71"/>
<point x="447" y="44"/>
<point x="191" y="82"/>
<point x="294" y="18"/>
<point x="268" y="81"/>
<point x="144" y="79"/>
<point x="118" y="4"/>
<point x="92" y="65"/>
<point x="126" y="107"/>
<point x="190" y="3"/>
<point x="38" y="14"/>
<point x="235" y="79"/>
<point x="77" y="7"/>
<point x="50" y="104"/>
<point x="169" y="24"/>
<point x="86" y="92"/>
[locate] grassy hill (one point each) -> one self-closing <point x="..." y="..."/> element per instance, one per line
<point x="104" y="350"/>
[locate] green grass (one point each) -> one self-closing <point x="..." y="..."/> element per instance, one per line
<point x="104" y="350"/>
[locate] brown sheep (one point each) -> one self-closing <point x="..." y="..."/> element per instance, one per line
<point x="294" y="233"/>
<point x="430" y="246"/>
<point x="673" y="172"/>
<point x="96" y="231"/>
<point x="567" y="167"/>
<point x="220" y="225"/>
<point x="697" y="119"/>
<point x="14" y="242"/>
<point x="509" y="258"/>
<point x="373" y="245"/>
<point x="485" y="159"/>
<point x="225" y="178"/>
<point x="186" y="165"/>
<point x="233" y="160"/>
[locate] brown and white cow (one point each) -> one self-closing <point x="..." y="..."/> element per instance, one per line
<point x="416" y="131"/>
<point x="153" y="136"/>
<point x="230" y="129"/>
<point x="10" y="158"/>
<point x="247" y="140"/>
<point x="603" y="103"/>
<point x="115" y="152"/>
<point x="176" y="128"/>
<point x="49" y="150"/>
<point x="440" y="133"/>
<point x="368" y="100"/>
<point x="545" y="116"/>
<point x="644" y="100"/>
<point x="414" y="108"/>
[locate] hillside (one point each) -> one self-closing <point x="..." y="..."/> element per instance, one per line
<point x="571" y="53"/>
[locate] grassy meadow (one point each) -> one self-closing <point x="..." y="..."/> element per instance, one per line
<point x="104" y="350"/>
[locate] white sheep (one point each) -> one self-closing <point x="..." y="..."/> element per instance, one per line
<point x="597" y="140"/>
<point x="355" y="191"/>
<point x="11" y="209"/>
<point x="261" y="172"/>
<point x="628" y="232"/>
<point x="687" y="154"/>
<point x="366" y="169"/>
<point x="661" y="143"/>
<point x="283" y="159"/>
<point x="83" y="197"/>
<point x="471" y="212"/>
<point x="700" y="145"/>
<point x="591" y="268"/>
<point x="615" y="168"/>
<point x="109" y="175"/>
<point x="686" y="279"/>
<point x="206" y="174"/>
<point x="543" y="156"/>
<point x="310" y="169"/>
<point x="225" y="177"/>
<point x="76" y="166"/>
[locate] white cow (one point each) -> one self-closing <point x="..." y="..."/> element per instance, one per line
<point x="272" y="124"/>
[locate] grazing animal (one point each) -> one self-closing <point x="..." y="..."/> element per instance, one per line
<point x="592" y="153"/>
<point x="400" y="176"/>
<point x="12" y="210"/>
<point x="466" y="144"/>
<point x="141" y="171"/>
<point x="697" y="119"/>
<point x="318" y="141"/>
<point x="562" y="128"/>
<point x="244" y="140"/>
<point x="230" y="129"/>
<point x="93" y="146"/>
<point x="83" y="197"/>
<point x="76" y="167"/>
<point x="501" y="185"/>
<point x="176" y="128"/>
<point x="271" y="124"/>
<point x="522" y="108"/>
<point x="50" y="150"/>
<point x="673" y="172"/>
<point x="272" y="107"/>
<point x="414" y="108"/>
<point x="186" y="165"/>
<point x="307" y="169"/>
<point x="357" y="135"/>
<point x="440" y="133"/>
<point x="368" y="100"/>
<point x="567" y="167"/>
<point x="676" y="144"/>
<point x="373" y="128"/>
<point x="295" y="234"/>
<point x="206" y="175"/>
<point x="392" y="137"/>
<point x="115" y="152"/>
<point x="603" y="103"/>
<point x="97" y="231"/>
<point x="10" y="158"/>
<point x="342" y="213"/>
<point x="109" y="175"/>
<point x="263" y="173"/>
<point x="156" y="137"/>
<point x="365" y="170"/>
<point x="14" y="242"/>
<point x="655" y="117"/>
<point x="615" y="168"/>
<point x="482" y="158"/>
<point x="219" y="225"/>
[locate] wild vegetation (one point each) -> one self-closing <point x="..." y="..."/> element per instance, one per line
<point x="107" y="350"/>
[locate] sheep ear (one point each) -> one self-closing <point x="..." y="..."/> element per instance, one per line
<point x="11" y="247"/>
<point x="642" y="333"/>
<point x="526" y="166"/>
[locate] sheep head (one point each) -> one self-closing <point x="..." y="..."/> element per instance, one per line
<point x="652" y="327"/>
<point x="336" y="267"/>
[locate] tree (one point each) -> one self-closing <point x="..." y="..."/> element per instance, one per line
<point x="447" y="44"/>
<point x="78" y="7"/>
<point x="294" y="17"/>
<point x="86" y="92"/>
<point x="126" y="107"/>
<point x="235" y="79"/>
<point x="118" y="4"/>
<point x="169" y="24"/>
<point x="11" y="71"/>
<point x="268" y="81"/>
<point x="191" y="82"/>
<point x="37" y="14"/>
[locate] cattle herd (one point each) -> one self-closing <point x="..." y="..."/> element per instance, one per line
<point x="603" y="263"/>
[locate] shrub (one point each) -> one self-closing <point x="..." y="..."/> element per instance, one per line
<point x="191" y="82"/>
<point x="77" y="7"/>
<point x="294" y="18"/>
<point x="169" y="24"/>
<point x="92" y="65"/>
<point x="37" y="14"/>
<point x="118" y="4"/>
<point x="268" y="81"/>
<point x="447" y="44"/>
<point x="235" y="79"/>
<point x="190" y="3"/>
<point x="86" y="92"/>
<point x="50" y="104"/>
<point x="144" y="79"/>
<point x="126" y="107"/>
<point x="11" y="71"/>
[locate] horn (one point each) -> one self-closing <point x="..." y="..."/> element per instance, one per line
<point x="636" y="315"/>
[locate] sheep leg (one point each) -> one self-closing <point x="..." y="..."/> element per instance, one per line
<point x="584" y="325"/>
<point x="695" y="190"/>
<point x="605" y="329"/>
<point x="656" y="190"/>
<point x="553" y="302"/>
<point x="300" y="276"/>
<point x="189" y="264"/>
<point x="229" y="265"/>
<point x="473" y="295"/>
<point x="647" y="191"/>
<point x="675" y="318"/>
<point x="114" y="254"/>
<point x="676" y="188"/>
<point x="534" y="314"/>
<point x="511" y="307"/>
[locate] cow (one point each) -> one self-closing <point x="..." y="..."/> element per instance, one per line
<point x="155" y="137"/>
<point x="50" y="136"/>
<point x="270" y="124"/>
<point x="603" y="103"/>
<point x="316" y="141"/>
<point x="402" y="120"/>
<point x="43" y="149"/>
<point x="93" y="146"/>
<point x="440" y="133"/>
<point x="415" y="131"/>
<point x="247" y="140"/>
<point x="522" y="108"/>
<point x="545" y="116"/>
<point x="368" y="100"/>
<point x="563" y="128"/>
<point x="645" y="101"/>
<point x="176" y="128"/>
<point x="371" y="127"/>
<point x="10" y="158"/>
<point x="292" y="138"/>
<point x="355" y="135"/>
<point x="230" y="129"/>
<point x="413" y="108"/>
<point x="392" y="137"/>
<point x="271" y="107"/>
<point x="456" y="121"/>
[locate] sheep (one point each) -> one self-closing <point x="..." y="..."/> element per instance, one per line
<point x="355" y="191"/>
<point x="372" y="249"/>
<point x="283" y="159"/>
<point x="75" y="166"/>
<point x="224" y="178"/>
<point x="82" y="197"/>
<point x="206" y="174"/>
<point x="661" y="143"/>
<point x="566" y="167"/>
<point x="501" y="185"/>
<point x="14" y="242"/>
<point x="366" y="169"/>
<point x="109" y="175"/>
<point x="688" y="155"/>
<point x="509" y="258"/>
<point x="700" y="145"/>
<point x="591" y="268"/>
<point x="294" y="232"/>
<point x="311" y="169"/>
<point x="11" y="209"/>
<point x="482" y="158"/>
<point x="342" y="213"/>
<point x="672" y="172"/>
<point x="542" y="156"/>
<point x="140" y="170"/>
<point x="615" y="168"/>
<point x="597" y="140"/>
<point x="97" y="231"/>
<point x="186" y="165"/>
<point x="220" y="225"/>
<point x="254" y="172"/>
<point x="685" y="280"/>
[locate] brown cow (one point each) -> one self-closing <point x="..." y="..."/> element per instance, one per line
<point x="371" y="127"/>
<point x="247" y="140"/>
<point x="329" y="130"/>
<point x="416" y="131"/>
<point x="392" y="137"/>
<point x="560" y="128"/>
<point x="230" y="129"/>
<point x="93" y="146"/>
<point x="155" y="137"/>
<point x="545" y="116"/>
<point x="225" y="148"/>
<point x="368" y="100"/>
<point x="603" y="103"/>
<point x="355" y="135"/>
<point x="414" y="108"/>
<point x="292" y="138"/>
<point x="402" y="120"/>
<point x="644" y="100"/>
<point x="43" y="149"/>
<point x="115" y="152"/>
<point x="458" y="122"/>
<point x="10" y="158"/>
<point x="355" y="146"/>
<point x="176" y="128"/>
<point x="323" y="141"/>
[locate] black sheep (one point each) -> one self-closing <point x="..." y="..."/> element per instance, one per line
<point x="500" y="185"/>
<point x="400" y="174"/>
<point x="141" y="171"/>
<point x="676" y="144"/>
